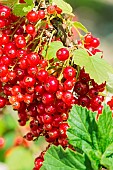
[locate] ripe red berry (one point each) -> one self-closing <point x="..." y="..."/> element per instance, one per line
<point x="69" y="72"/>
<point x="51" y="84"/>
<point x="81" y="88"/>
<point x="62" y="54"/>
<point x="4" y="12"/>
<point x="32" y="16"/>
<point x="2" y="102"/>
<point x="20" y="41"/>
<point x="30" y="29"/>
<point x="41" y="14"/>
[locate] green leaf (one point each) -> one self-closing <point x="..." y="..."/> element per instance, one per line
<point x="20" y="159"/>
<point x="109" y="84"/>
<point x="53" y="48"/>
<point x="66" y="8"/>
<point x="28" y="8"/>
<point x="18" y="10"/>
<point x="96" y="67"/>
<point x="80" y="126"/>
<point x="105" y="129"/>
<point x="107" y="157"/>
<point x="21" y="9"/>
<point x="82" y="133"/>
<point x="80" y="26"/>
<point x="56" y="158"/>
<point x="29" y="2"/>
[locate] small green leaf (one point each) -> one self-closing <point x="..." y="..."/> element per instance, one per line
<point x="93" y="65"/>
<point x="107" y="157"/>
<point x="53" y="48"/>
<point x="28" y="8"/>
<point x="18" y="10"/>
<point x="66" y="8"/>
<point x="105" y="128"/>
<point x="80" y="26"/>
<point x="21" y="9"/>
<point x="56" y="158"/>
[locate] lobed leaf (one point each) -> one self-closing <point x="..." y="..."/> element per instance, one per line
<point x="96" y="67"/>
<point x="105" y="129"/>
<point x="56" y="158"/>
<point x="80" y="26"/>
<point x="107" y="157"/>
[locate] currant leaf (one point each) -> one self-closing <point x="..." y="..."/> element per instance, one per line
<point x="107" y="157"/>
<point x="56" y="158"/>
<point x="80" y="120"/>
<point x="93" y="65"/>
<point x="53" y="48"/>
<point x="80" y="26"/>
<point x="22" y="9"/>
<point x="29" y="2"/>
<point x="66" y="8"/>
<point x="82" y="133"/>
<point x="109" y="84"/>
<point x="105" y="129"/>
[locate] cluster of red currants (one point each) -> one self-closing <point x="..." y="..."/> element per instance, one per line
<point x="42" y="95"/>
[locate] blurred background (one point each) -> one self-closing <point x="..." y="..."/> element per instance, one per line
<point x="15" y="152"/>
<point x="97" y="17"/>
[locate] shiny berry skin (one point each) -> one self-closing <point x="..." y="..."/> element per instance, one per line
<point x="62" y="54"/>
<point x="4" y="39"/>
<point x="42" y="75"/>
<point x="88" y="38"/>
<point x="63" y="128"/>
<point x="95" y="42"/>
<point x="53" y="134"/>
<point x="69" y="84"/>
<point x="50" y="109"/>
<point x="33" y="59"/>
<point x="3" y="70"/>
<point x="38" y="163"/>
<point x="41" y="14"/>
<point x="81" y="88"/>
<point x="69" y="72"/>
<point x="4" y="12"/>
<point x="67" y="97"/>
<point x="29" y="81"/>
<point x="48" y="98"/>
<point x="20" y="41"/>
<point x="51" y="84"/>
<point x="84" y="101"/>
<point x="30" y="29"/>
<point x="32" y="16"/>
<point x="93" y="92"/>
<point x="29" y="136"/>
<point x="2" y="102"/>
<point x="15" y="90"/>
<point x="2" y="23"/>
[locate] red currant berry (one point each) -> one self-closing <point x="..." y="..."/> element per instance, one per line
<point x="62" y="54"/>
